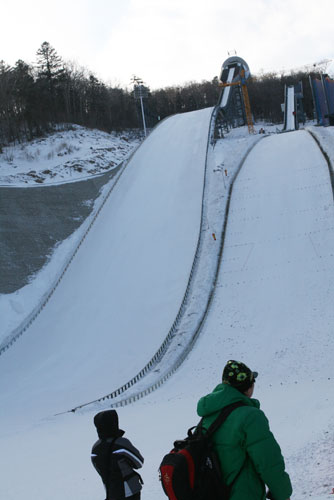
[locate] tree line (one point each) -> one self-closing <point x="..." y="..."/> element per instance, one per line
<point x="36" y="98"/>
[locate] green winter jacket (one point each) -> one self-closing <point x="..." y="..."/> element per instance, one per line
<point x="246" y="447"/>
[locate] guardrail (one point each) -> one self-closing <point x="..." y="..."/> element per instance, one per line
<point x="171" y="343"/>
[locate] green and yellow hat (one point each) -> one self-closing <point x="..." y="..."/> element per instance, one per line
<point x="238" y="375"/>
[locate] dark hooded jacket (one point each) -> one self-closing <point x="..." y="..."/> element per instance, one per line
<point x="115" y="458"/>
<point x="249" y="455"/>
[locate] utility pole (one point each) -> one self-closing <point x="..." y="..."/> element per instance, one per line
<point x="140" y="92"/>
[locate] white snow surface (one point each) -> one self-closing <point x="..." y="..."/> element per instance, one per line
<point x="290" y="109"/>
<point x="272" y="308"/>
<point x="132" y="296"/>
<point x="71" y="154"/>
<point x="64" y="156"/>
<point x="325" y="136"/>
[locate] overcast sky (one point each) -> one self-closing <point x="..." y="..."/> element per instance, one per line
<point x="169" y="42"/>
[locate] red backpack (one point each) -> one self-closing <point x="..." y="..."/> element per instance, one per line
<point x="191" y="471"/>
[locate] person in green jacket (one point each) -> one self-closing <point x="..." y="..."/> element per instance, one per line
<point x="249" y="455"/>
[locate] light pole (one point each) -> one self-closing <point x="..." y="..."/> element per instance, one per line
<point x="140" y="92"/>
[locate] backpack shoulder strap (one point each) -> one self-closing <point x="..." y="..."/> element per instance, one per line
<point x="222" y="417"/>
<point x="110" y="450"/>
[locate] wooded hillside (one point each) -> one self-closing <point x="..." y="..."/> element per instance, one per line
<point x="35" y="98"/>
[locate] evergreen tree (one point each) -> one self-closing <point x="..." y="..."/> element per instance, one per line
<point x="50" y="80"/>
<point x="49" y="63"/>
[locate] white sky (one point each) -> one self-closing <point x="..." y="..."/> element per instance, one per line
<point x="168" y="42"/>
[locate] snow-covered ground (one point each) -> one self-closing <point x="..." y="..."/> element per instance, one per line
<point x="73" y="154"/>
<point x="66" y="155"/>
<point x="325" y="136"/>
<point x="272" y="308"/>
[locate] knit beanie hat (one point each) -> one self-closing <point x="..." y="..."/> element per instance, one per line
<point x="238" y="375"/>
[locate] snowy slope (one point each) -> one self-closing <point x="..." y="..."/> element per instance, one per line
<point x="64" y="157"/>
<point x="70" y="154"/>
<point x="119" y="297"/>
<point x="272" y="308"/>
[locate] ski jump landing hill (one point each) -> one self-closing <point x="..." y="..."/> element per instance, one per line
<point x="271" y="305"/>
<point x="118" y="299"/>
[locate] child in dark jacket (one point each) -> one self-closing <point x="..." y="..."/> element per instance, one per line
<point x="115" y="458"/>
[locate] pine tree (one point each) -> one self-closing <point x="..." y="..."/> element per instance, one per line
<point x="50" y="76"/>
<point x="49" y="63"/>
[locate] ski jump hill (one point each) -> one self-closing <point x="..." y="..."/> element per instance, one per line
<point x="290" y="118"/>
<point x="121" y="293"/>
<point x="262" y="211"/>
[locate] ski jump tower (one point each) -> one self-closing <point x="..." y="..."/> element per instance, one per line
<point x="233" y="103"/>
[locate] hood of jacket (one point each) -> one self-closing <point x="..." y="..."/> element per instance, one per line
<point x="223" y="395"/>
<point x="106" y="423"/>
